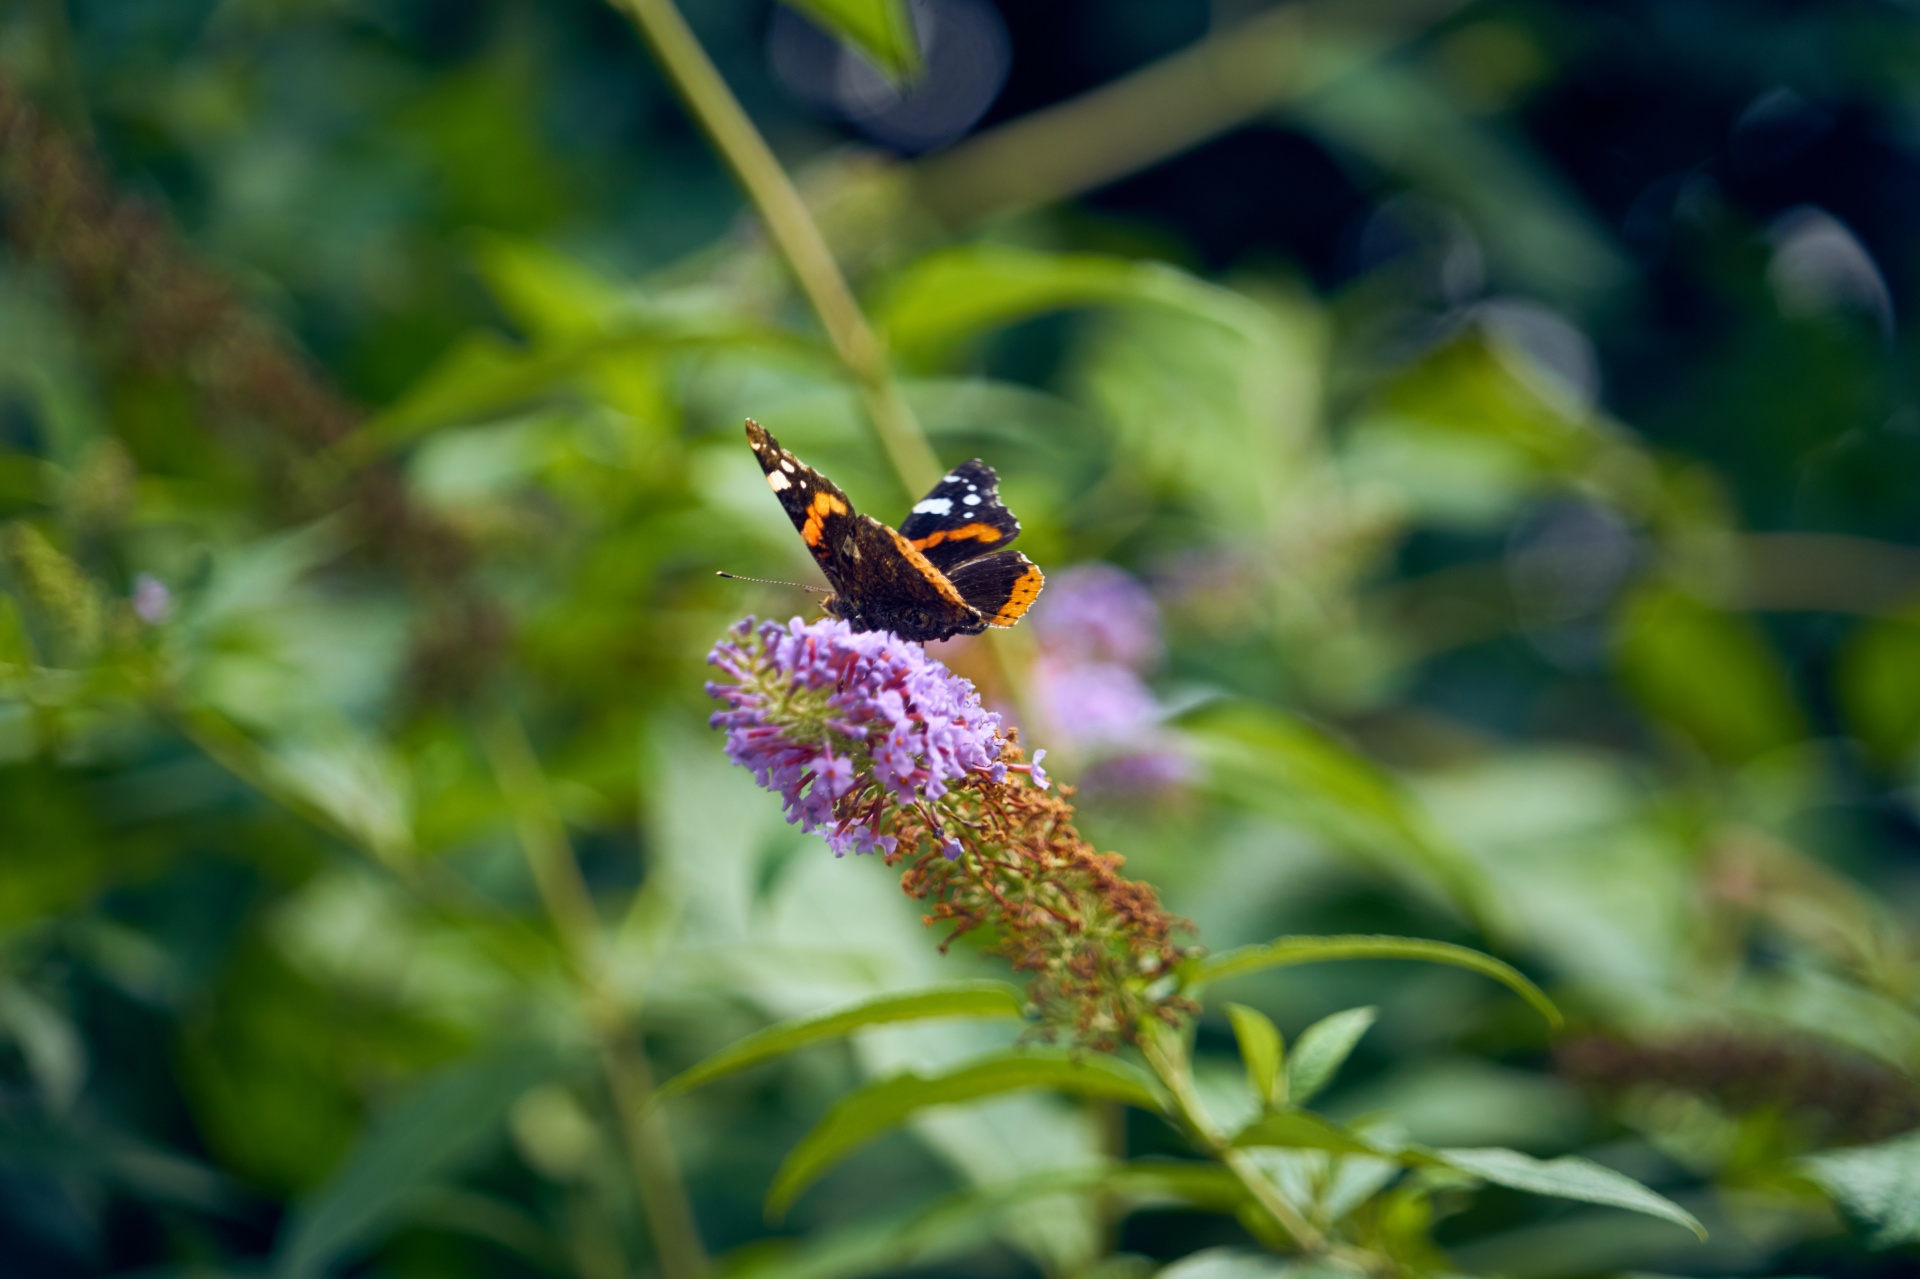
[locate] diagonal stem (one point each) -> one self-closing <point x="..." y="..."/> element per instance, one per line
<point x="798" y="236"/>
<point x="569" y="906"/>
<point x="1167" y="1054"/>
<point x="793" y="229"/>
<point x="1227" y="80"/>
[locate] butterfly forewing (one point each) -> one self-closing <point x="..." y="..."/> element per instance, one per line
<point x="962" y="518"/>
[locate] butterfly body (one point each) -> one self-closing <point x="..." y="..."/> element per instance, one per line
<point x="943" y="572"/>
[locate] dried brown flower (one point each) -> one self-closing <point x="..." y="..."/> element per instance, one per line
<point x="154" y="310"/>
<point x="1099" y="946"/>
<point x="1837" y="1098"/>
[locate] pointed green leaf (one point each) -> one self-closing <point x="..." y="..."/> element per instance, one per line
<point x="1230" y="1263"/>
<point x="962" y="999"/>
<point x="1267" y="761"/>
<point x="89" y="1148"/>
<point x="1261" y="1050"/>
<point x="1880" y="1184"/>
<point x="864" y="1115"/>
<point x="883" y="30"/>
<point x="482" y="376"/>
<point x="1304" y="1130"/>
<point x="1322" y="1049"/>
<point x="545" y="293"/>
<point x="1286" y="951"/>
<point x="966" y="1220"/>
<point x="1568" y="1177"/>
<point x="422" y="1138"/>
<point x="1879" y="685"/>
<point x="955" y="294"/>
<point x="1714" y="676"/>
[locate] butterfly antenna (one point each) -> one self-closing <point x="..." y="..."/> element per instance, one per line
<point x="767" y="581"/>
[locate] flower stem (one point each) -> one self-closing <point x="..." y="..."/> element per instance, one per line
<point x="798" y="236"/>
<point x="569" y="906"/>
<point x="793" y="229"/>
<point x="1166" y="1052"/>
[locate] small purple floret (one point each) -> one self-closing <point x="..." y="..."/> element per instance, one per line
<point x="152" y="601"/>
<point x="1099" y="631"/>
<point x="840" y="723"/>
<point x="1102" y="706"/>
<point x="1097" y="613"/>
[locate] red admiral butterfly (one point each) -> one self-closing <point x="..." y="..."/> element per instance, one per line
<point x="942" y="574"/>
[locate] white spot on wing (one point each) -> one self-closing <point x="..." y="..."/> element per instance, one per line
<point x="933" y="506"/>
<point x="786" y="464"/>
<point x="949" y="479"/>
<point x="971" y="499"/>
<point x="777" y="481"/>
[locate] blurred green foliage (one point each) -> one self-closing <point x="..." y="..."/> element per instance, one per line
<point x="1513" y="424"/>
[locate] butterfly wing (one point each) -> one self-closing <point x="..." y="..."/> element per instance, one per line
<point x="961" y="519"/>
<point x="1002" y="586"/>
<point x="881" y="581"/>
<point x="815" y="504"/>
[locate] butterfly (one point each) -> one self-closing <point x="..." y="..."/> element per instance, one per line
<point x="944" y="572"/>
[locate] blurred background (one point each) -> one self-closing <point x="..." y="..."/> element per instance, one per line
<point x="1470" y="442"/>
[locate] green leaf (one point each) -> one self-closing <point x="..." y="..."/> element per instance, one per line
<point x="955" y="294"/>
<point x="1287" y="951"/>
<point x="864" y="1115"/>
<point x="86" y="1148"/>
<point x="1262" y="1051"/>
<point x="1241" y="1263"/>
<point x="1304" y="1130"/>
<point x="484" y="377"/>
<point x="1568" y="1177"/>
<point x="882" y="29"/>
<point x="1267" y="761"/>
<point x="1879" y="684"/>
<point x="424" y="1137"/>
<point x="1322" y="1049"/>
<point x="1711" y="675"/>
<point x="968" y="1219"/>
<point x="1230" y="1263"/>
<point x="546" y="294"/>
<point x="1880" y="1184"/>
<point x="962" y="999"/>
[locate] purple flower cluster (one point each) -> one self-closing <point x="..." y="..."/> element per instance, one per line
<point x="1099" y="632"/>
<point x="845" y="725"/>
<point x="1096" y="613"/>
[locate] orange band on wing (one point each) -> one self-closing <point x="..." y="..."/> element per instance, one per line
<point x="824" y="504"/>
<point x="925" y="568"/>
<point x="1025" y="592"/>
<point x="966" y="532"/>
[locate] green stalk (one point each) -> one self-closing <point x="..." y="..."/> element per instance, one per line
<point x="569" y="906"/>
<point x="798" y="236"/>
<point x="793" y="229"/>
<point x="1166" y="1052"/>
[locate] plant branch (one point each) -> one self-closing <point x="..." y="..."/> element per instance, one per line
<point x="569" y="906"/>
<point x="793" y="229"/>
<point x="799" y="238"/>
<point x="1166" y="1052"/>
<point x="1184" y="99"/>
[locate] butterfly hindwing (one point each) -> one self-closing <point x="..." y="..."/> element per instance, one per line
<point x="1002" y="586"/>
<point x="962" y="518"/>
